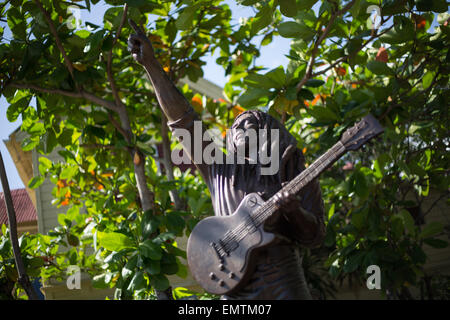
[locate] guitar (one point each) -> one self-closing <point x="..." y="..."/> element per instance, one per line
<point x="220" y="250"/>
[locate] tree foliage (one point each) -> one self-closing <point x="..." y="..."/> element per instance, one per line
<point x="92" y="101"/>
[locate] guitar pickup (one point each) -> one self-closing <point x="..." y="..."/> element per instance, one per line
<point x="217" y="251"/>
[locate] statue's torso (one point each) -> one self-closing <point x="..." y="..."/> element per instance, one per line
<point x="278" y="273"/>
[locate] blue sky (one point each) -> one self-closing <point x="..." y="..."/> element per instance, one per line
<point x="271" y="57"/>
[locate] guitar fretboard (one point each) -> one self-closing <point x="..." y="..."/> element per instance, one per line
<point x="306" y="176"/>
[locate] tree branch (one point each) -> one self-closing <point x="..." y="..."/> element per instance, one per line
<point x="322" y="37"/>
<point x="98" y="146"/>
<point x="81" y="94"/>
<point x="168" y="162"/>
<point x="118" y="127"/>
<point x="445" y="195"/>
<point x="48" y="17"/>
<point x="23" y="277"/>
<point x="109" y="60"/>
<point x="344" y="58"/>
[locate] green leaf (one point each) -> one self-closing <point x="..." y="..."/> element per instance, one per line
<point x="314" y="83"/>
<point x="29" y="143"/>
<point x="146" y="148"/>
<point x="291" y="29"/>
<point x="359" y="218"/>
<point x="391" y="7"/>
<point x="440" y="6"/>
<point x="35" y="182"/>
<point x="277" y="76"/>
<point x="182" y="270"/>
<point x="63" y="220"/>
<point x="408" y="220"/>
<point x="37" y="128"/>
<point x="181" y="292"/>
<point x="306" y="94"/>
<point x="114" y="241"/>
<point x="323" y="114"/>
<point x="185" y="19"/>
<point x="247" y="2"/>
<point x="73" y="212"/>
<point x="153" y="267"/>
<point x="262" y="19"/>
<point x="73" y="239"/>
<point x="397" y="227"/>
<point x="137" y="282"/>
<point x="65" y="138"/>
<point x="252" y="97"/>
<point x="66" y="155"/>
<point x="17" y="23"/>
<point x="436" y="243"/>
<point x="129" y="267"/>
<point x="361" y="187"/>
<point x="427" y="79"/>
<point x="401" y="33"/>
<point x="379" y="68"/>
<point x="303" y="5"/>
<point x="99" y="282"/>
<point x="174" y="250"/>
<point x="431" y="229"/>
<point x="159" y="282"/>
<point x="68" y="173"/>
<point x="288" y="7"/>
<point x="418" y="255"/>
<point x="353" y="262"/>
<point x="259" y="81"/>
<point x="150" y="250"/>
<point x="83" y="33"/>
<point x="149" y="224"/>
<point x="50" y="141"/>
<point x="15" y="109"/>
<point x="45" y="163"/>
<point x="175" y="222"/>
<point x="432" y="5"/>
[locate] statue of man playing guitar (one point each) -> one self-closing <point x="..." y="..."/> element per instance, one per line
<point x="278" y="272"/>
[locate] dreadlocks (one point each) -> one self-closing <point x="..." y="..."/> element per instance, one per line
<point x="291" y="159"/>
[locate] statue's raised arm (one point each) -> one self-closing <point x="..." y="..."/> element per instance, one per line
<point x="177" y="109"/>
<point x="173" y="103"/>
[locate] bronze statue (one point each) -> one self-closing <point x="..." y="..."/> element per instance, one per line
<point x="278" y="273"/>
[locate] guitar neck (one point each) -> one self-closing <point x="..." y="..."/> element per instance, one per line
<point x="300" y="181"/>
<point x="315" y="169"/>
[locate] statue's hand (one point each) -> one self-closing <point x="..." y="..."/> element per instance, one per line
<point x="139" y="45"/>
<point x="288" y="202"/>
<point x="294" y="213"/>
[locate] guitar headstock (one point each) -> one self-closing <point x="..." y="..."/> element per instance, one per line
<point x="366" y="129"/>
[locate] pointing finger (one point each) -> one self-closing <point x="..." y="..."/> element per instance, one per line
<point x="135" y="27"/>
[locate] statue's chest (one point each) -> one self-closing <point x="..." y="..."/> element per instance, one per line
<point x="229" y="186"/>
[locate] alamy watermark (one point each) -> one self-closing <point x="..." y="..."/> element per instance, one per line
<point x="74" y="20"/>
<point x="250" y="146"/>
<point x="374" y="21"/>
<point x="74" y="279"/>
<point x="374" y="281"/>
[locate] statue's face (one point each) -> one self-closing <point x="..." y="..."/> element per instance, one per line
<point x="244" y="135"/>
<point x="240" y="139"/>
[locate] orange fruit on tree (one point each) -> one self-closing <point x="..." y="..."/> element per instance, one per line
<point x="341" y="71"/>
<point x="382" y="55"/>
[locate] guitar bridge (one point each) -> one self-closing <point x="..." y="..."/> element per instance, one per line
<point x="220" y="252"/>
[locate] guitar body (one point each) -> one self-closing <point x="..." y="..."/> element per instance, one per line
<point x="220" y="261"/>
